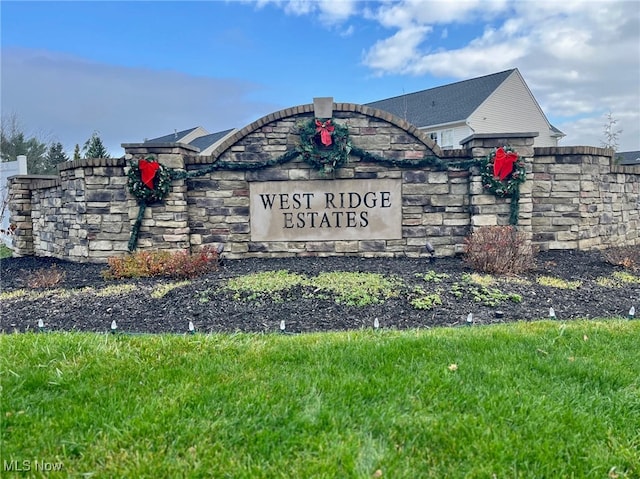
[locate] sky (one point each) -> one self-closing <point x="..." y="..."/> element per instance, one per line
<point x="133" y="70"/>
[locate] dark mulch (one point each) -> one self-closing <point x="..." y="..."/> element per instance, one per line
<point x="214" y="311"/>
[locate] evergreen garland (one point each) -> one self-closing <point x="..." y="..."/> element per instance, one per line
<point x="511" y="184"/>
<point x="324" y="158"/>
<point x="161" y="183"/>
<point x="508" y="188"/>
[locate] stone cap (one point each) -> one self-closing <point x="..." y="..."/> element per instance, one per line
<point x="34" y="182"/>
<point x="88" y="162"/>
<point x="491" y="136"/>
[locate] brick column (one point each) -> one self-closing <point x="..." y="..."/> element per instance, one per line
<point x="20" y="188"/>
<point x="166" y="224"/>
<point x="487" y="209"/>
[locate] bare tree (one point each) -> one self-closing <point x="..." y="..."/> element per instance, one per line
<point x="611" y="134"/>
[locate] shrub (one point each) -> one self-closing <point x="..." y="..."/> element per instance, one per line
<point x="45" y="277"/>
<point x="626" y="256"/>
<point x="185" y="265"/>
<point x="498" y="249"/>
<point x="181" y="264"/>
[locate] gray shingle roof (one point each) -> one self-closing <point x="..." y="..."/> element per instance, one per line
<point x="443" y="104"/>
<point x="207" y="140"/>
<point x="172" y="137"/>
<point x="628" y="157"/>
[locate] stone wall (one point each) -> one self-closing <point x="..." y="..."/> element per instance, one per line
<point x="435" y="204"/>
<point x="86" y="213"/>
<point x="582" y="199"/>
<point x="574" y="197"/>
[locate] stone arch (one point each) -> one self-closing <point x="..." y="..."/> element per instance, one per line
<point x="339" y="109"/>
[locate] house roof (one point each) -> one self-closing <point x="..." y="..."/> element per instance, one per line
<point x="629" y="157"/>
<point x="444" y="104"/>
<point x="206" y="141"/>
<point x="441" y="105"/>
<point x="172" y="137"/>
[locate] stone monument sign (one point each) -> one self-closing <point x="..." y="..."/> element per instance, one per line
<point x="365" y="209"/>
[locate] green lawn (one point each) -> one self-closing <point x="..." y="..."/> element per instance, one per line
<point x="5" y="251"/>
<point x="526" y="400"/>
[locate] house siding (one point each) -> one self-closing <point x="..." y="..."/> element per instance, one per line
<point x="512" y="109"/>
<point x="460" y="131"/>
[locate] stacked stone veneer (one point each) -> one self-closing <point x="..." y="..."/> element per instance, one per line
<point x="582" y="199"/>
<point x="574" y="197"/>
<point x="435" y="204"/>
<point x="86" y="213"/>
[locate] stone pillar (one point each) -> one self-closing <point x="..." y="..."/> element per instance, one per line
<point x="166" y="224"/>
<point x="487" y="209"/>
<point x="20" y="188"/>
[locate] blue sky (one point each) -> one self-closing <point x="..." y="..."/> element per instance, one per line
<point x="136" y="70"/>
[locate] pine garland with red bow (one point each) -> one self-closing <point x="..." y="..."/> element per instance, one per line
<point x="148" y="180"/>
<point x="502" y="173"/>
<point x="324" y="145"/>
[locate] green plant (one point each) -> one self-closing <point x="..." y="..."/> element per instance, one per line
<point x="357" y="289"/>
<point x="266" y="284"/>
<point x="111" y="290"/>
<point x="498" y="249"/>
<point x="5" y="251"/>
<point x="485" y="280"/>
<point x="555" y="282"/>
<point x="45" y="277"/>
<point x="477" y="287"/>
<point x="432" y="276"/>
<point x="424" y="300"/>
<point x="617" y="279"/>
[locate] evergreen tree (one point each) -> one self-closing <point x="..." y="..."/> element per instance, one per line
<point x="93" y="147"/>
<point x="76" y="152"/>
<point x="55" y="155"/>
<point x="13" y="142"/>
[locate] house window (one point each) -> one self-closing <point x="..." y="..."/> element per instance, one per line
<point x="447" y="138"/>
<point x="434" y="137"/>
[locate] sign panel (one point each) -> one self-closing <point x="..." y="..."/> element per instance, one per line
<point x="326" y="210"/>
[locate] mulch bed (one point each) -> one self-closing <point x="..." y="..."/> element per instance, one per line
<point x="212" y="310"/>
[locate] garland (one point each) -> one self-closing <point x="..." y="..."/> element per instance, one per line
<point x="503" y="172"/>
<point x="324" y="145"/>
<point x="150" y="181"/>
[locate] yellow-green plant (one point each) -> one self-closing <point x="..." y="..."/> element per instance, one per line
<point x="555" y="282"/>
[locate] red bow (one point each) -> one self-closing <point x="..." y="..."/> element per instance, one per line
<point x="325" y="130"/>
<point x="148" y="171"/>
<point x="503" y="163"/>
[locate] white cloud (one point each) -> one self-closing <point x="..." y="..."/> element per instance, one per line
<point x="330" y="12"/>
<point x="578" y="58"/>
<point x="71" y="96"/>
<point x="398" y="51"/>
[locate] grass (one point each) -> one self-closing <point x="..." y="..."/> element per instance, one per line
<point x="543" y="399"/>
<point x="5" y="251"/>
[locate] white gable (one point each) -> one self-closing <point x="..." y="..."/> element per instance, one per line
<point x="511" y="108"/>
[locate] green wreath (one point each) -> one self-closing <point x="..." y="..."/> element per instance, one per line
<point x="149" y="181"/>
<point x="501" y="178"/>
<point x="325" y="158"/>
